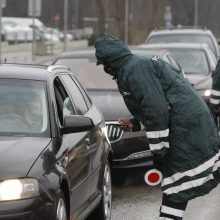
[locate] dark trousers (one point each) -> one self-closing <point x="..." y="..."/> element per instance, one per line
<point x="171" y="210"/>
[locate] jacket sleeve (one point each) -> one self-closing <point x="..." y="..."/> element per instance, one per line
<point x="147" y="92"/>
<point x="215" y="92"/>
<point x="136" y="124"/>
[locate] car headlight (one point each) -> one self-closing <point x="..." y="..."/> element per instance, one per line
<point x="207" y="92"/>
<point x="15" y="189"/>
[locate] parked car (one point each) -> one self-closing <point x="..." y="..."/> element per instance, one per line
<point x="197" y="61"/>
<point x="20" y="30"/>
<point x="55" y="156"/>
<point x="130" y="149"/>
<point x="55" y="35"/>
<point x="184" y="35"/>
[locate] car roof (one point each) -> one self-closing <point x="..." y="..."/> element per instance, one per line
<point x="29" y="71"/>
<point x="175" y="45"/>
<point x="90" y="53"/>
<point x="180" y="30"/>
<point x="82" y="53"/>
<point x="78" y="53"/>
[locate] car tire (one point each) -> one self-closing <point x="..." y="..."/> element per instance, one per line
<point x="103" y="211"/>
<point x="61" y="210"/>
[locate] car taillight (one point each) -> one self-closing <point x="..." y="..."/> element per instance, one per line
<point x="153" y="177"/>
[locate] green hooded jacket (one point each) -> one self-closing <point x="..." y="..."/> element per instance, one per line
<point x="178" y="123"/>
<point x="215" y="92"/>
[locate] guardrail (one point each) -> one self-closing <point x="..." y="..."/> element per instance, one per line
<point x="22" y="53"/>
<point x="57" y="45"/>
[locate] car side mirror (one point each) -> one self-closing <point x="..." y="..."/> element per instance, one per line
<point x="76" y="123"/>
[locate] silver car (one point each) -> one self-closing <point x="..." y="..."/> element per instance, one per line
<point x="197" y="61"/>
<point x="184" y="35"/>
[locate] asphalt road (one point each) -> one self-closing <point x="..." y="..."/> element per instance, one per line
<point x="136" y="201"/>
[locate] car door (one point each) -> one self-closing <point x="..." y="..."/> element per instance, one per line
<point x="95" y="136"/>
<point x="77" y="147"/>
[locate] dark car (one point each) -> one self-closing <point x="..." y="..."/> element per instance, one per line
<point x="55" y="155"/>
<point x="197" y="61"/>
<point x="130" y="149"/>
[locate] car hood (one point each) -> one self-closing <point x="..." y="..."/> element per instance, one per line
<point x="110" y="103"/>
<point x="17" y="155"/>
<point x="200" y="82"/>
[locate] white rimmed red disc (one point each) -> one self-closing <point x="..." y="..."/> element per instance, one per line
<point x="153" y="177"/>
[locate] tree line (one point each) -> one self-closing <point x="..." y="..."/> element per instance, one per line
<point x="109" y="15"/>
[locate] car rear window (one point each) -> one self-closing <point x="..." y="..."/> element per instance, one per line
<point x="192" y="61"/>
<point x="187" y="38"/>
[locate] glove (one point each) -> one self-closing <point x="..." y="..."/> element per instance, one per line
<point x="158" y="162"/>
<point x="214" y="109"/>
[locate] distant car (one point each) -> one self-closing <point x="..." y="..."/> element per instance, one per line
<point x="55" y="156"/>
<point x="184" y="35"/>
<point x="197" y="61"/>
<point x="52" y="34"/>
<point x="130" y="149"/>
<point x="20" y="30"/>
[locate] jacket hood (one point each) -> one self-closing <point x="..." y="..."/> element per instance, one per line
<point x="111" y="50"/>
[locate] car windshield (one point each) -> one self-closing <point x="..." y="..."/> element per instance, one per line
<point x="147" y="53"/>
<point x="23" y="108"/>
<point x="187" y="38"/>
<point x="192" y="61"/>
<point x="88" y="73"/>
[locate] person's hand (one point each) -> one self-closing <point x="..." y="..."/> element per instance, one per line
<point x="216" y="111"/>
<point x="125" y="124"/>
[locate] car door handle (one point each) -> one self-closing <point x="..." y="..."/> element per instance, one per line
<point x="87" y="143"/>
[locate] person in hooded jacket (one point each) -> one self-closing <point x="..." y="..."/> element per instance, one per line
<point x="181" y="131"/>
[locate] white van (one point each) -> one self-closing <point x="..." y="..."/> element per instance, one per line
<point x="19" y="30"/>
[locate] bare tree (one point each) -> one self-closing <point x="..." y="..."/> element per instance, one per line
<point x="101" y="13"/>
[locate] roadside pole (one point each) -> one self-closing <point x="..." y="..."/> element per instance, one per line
<point x="1" y="33"/>
<point x="2" y="5"/>
<point x="34" y="10"/>
<point x="126" y="21"/>
<point x="65" y="24"/>
<point x="34" y="37"/>
<point x="196" y="13"/>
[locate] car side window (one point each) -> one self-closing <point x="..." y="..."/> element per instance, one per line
<point x="76" y="94"/>
<point x="165" y="58"/>
<point x="173" y="62"/>
<point x="64" y="105"/>
<point x="85" y="95"/>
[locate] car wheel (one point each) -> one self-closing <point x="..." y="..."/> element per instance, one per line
<point x="103" y="211"/>
<point x="61" y="213"/>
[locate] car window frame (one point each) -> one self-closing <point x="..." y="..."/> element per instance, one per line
<point x="173" y="62"/>
<point x="83" y="91"/>
<point x="71" y="96"/>
<point x="67" y="95"/>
